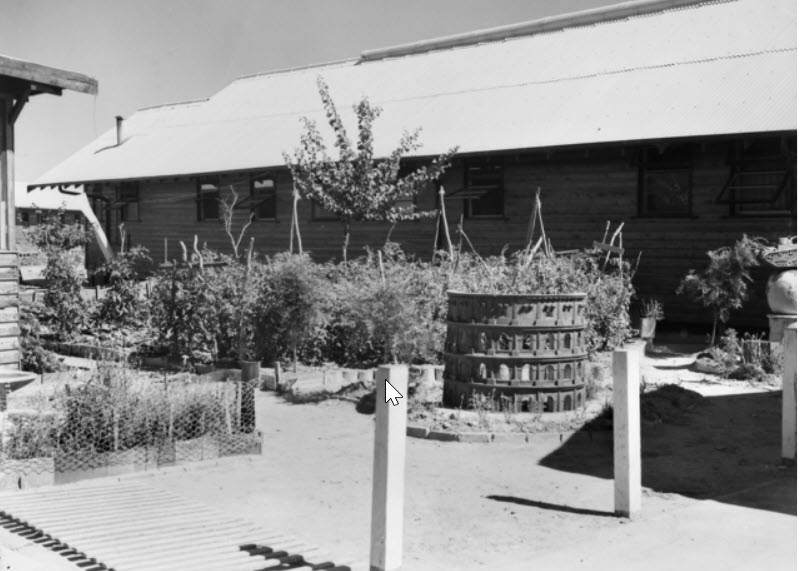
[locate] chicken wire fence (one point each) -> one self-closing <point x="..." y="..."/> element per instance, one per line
<point x="121" y="422"/>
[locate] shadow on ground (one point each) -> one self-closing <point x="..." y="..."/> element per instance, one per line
<point x="725" y="448"/>
<point x="548" y="506"/>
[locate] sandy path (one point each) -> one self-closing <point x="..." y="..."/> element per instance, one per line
<point x="314" y="479"/>
<point x="479" y="506"/>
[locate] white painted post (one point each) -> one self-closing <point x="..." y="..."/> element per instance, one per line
<point x="789" y="394"/>
<point x="628" y="464"/>
<point x="389" y="455"/>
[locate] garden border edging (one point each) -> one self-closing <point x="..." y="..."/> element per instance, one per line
<point x="425" y="433"/>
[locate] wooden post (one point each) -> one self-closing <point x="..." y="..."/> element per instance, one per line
<point x="628" y="464"/>
<point x="444" y="216"/>
<point x="7" y="210"/>
<point x="789" y="395"/>
<point x="279" y="377"/>
<point x="389" y="456"/>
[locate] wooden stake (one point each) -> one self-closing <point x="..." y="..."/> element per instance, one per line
<point x="197" y="253"/>
<point x="122" y="238"/>
<point x="790" y="395"/>
<point x="546" y="241"/>
<point x="606" y="232"/>
<point x="532" y="222"/>
<point x="469" y="243"/>
<point x="389" y="458"/>
<point x="445" y="220"/>
<point x="628" y="464"/>
<point x="381" y="268"/>
<point x="294" y="230"/>
<point x="436" y="236"/>
<point x="612" y="242"/>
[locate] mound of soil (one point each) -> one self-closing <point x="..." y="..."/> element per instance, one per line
<point x="669" y="404"/>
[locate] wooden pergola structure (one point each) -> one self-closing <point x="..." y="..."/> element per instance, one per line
<point x="19" y="81"/>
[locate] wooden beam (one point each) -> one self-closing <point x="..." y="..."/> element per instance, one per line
<point x="41" y="89"/>
<point x="17" y="108"/>
<point x="48" y="76"/>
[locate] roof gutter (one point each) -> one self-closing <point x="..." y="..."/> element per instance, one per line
<point x="549" y="24"/>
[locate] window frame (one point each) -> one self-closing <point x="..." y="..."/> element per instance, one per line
<point x="209" y="180"/>
<point x="753" y="160"/>
<point x="125" y="202"/>
<point x="468" y="204"/>
<point x="256" y="203"/>
<point x="651" y="160"/>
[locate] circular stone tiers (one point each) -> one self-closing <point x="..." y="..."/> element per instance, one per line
<point x="527" y="348"/>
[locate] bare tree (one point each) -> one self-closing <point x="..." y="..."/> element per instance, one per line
<point x="228" y="206"/>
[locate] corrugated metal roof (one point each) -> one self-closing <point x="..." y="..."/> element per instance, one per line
<point x="708" y="69"/>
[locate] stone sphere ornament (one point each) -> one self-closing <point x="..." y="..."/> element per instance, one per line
<point x="783" y="292"/>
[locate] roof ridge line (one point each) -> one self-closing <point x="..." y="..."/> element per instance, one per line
<point x="173" y="104"/>
<point x="558" y="22"/>
<point x="298" y="68"/>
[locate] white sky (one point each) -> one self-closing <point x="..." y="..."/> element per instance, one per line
<point x="147" y="52"/>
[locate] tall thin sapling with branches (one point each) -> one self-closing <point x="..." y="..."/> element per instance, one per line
<point x="357" y="186"/>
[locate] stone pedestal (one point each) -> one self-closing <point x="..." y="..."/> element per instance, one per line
<point x="778" y="324"/>
<point x="790" y="395"/>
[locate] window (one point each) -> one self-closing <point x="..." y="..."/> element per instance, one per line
<point x="665" y="182"/>
<point x="320" y="214"/>
<point x="208" y="199"/>
<point x="483" y="188"/>
<point x="762" y="180"/>
<point x="129" y="201"/>
<point x="263" y="198"/>
<point x="408" y="167"/>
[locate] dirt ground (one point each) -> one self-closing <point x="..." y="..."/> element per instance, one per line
<point x="473" y="506"/>
<point x="493" y="506"/>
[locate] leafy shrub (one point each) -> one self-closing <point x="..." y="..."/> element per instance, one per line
<point x="196" y="313"/>
<point x="749" y="358"/>
<point x="652" y="308"/>
<point x="381" y="307"/>
<point x="35" y="357"/>
<point x="290" y="311"/>
<point x="387" y="308"/>
<point x="67" y="313"/>
<point x="123" y="304"/>
<point x="724" y="284"/>
<point x="30" y="436"/>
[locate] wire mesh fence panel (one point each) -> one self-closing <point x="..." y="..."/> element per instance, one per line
<point x="118" y="420"/>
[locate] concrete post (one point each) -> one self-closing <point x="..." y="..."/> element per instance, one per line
<point x="789" y="394"/>
<point x="389" y="455"/>
<point x="628" y="464"/>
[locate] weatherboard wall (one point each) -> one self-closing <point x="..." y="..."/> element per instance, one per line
<point x="581" y="189"/>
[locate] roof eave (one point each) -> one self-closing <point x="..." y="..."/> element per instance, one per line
<point x="43" y="75"/>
